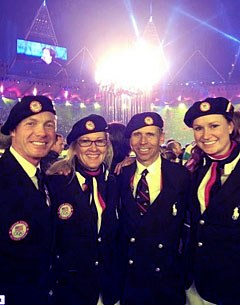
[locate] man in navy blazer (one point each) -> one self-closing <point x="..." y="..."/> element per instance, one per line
<point x="150" y="237"/>
<point x="25" y="218"/>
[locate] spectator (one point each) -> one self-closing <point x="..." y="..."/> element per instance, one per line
<point x="120" y="144"/>
<point x="54" y="153"/>
<point x="5" y="142"/>
<point x="176" y="148"/>
<point x="236" y="120"/>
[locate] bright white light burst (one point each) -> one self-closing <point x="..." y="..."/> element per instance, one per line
<point x="138" y="67"/>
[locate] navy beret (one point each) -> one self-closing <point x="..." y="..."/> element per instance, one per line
<point x="28" y="106"/>
<point x="143" y="119"/>
<point x="210" y="105"/>
<point x="90" y="124"/>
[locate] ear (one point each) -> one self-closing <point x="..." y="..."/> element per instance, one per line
<point x="230" y="127"/>
<point x="12" y="133"/>
<point x="161" y="138"/>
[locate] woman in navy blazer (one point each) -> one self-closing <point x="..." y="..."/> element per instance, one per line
<point x="86" y="219"/>
<point x="214" y="206"/>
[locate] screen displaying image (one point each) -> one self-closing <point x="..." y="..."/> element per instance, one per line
<point x="42" y="50"/>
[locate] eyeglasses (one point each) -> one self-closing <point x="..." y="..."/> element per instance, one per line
<point x="87" y="143"/>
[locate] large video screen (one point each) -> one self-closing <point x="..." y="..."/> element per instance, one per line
<point x="42" y="50"/>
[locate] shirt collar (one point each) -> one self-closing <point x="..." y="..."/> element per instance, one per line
<point x="28" y="167"/>
<point x="151" y="168"/>
<point x="229" y="167"/>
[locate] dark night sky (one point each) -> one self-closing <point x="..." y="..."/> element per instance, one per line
<point x="184" y="25"/>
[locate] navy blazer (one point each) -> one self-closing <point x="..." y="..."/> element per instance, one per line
<point x="215" y="241"/>
<point x="85" y="261"/>
<point x="26" y="236"/>
<point x="150" y="244"/>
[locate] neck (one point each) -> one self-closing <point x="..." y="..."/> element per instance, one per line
<point x="226" y="155"/>
<point x="89" y="171"/>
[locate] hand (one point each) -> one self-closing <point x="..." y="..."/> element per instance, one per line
<point x="127" y="161"/>
<point x="59" y="168"/>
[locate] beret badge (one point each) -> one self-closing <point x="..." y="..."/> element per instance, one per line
<point x="148" y="120"/>
<point x="90" y="125"/>
<point x="35" y="106"/>
<point x="205" y="106"/>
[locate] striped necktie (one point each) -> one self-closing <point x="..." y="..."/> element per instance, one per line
<point x="142" y="193"/>
<point x="39" y="176"/>
<point x="42" y="187"/>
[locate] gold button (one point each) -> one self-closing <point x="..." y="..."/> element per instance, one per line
<point x="202" y="222"/>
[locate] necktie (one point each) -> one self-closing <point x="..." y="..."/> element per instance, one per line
<point x="142" y="193"/>
<point x="41" y="186"/>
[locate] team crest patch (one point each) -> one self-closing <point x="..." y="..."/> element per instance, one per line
<point x="148" y="120"/>
<point x="90" y="125"/>
<point x="18" y="230"/>
<point x="205" y="106"/>
<point x="65" y="211"/>
<point x="35" y="106"/>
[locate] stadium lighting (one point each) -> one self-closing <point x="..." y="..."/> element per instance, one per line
<point x="136" y="68"/>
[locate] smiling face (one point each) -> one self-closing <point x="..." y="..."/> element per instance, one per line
<point x="145" y="142"/>
<point x="34" y="136"/>
<point x="212" y="134"/>
<point x="92" y="156"/>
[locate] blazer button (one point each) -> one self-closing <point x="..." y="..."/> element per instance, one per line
<point x="130" y="262"/>
<point x="96" y="263"/>
<point x="132" y="240"/>
<point x="50" y="292"/>
<point x="202" y="222"/>
<point x="160" y="246"/>
<point x="99" y="239"/>
<point x="200" y="244"/>
<point x="157" y="269"/>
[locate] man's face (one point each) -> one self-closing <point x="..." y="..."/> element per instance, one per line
<point x="34" y="136"/>
<point x="145" y="142"/>
<point x="58" y="146"/>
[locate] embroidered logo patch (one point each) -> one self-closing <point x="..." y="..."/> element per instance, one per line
<point x="148" y="120"/>
<point x="18" y="230"/>
<point x="205" y="106"/>
<point x="35" y="106"/>
<point x="90" y="125"/>
<point x="65" y="211"/>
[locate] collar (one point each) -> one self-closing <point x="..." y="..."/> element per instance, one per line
<point x="229" y="167"/>
<point x="151" y="168"/>
<point x="28" y="167"/>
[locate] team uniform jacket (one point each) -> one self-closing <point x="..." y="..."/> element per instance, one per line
<point x="215" y="242"/>
<point x="25" y="237"/>
<point x="152" y="263"/>
<point x="86" y="261"/>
